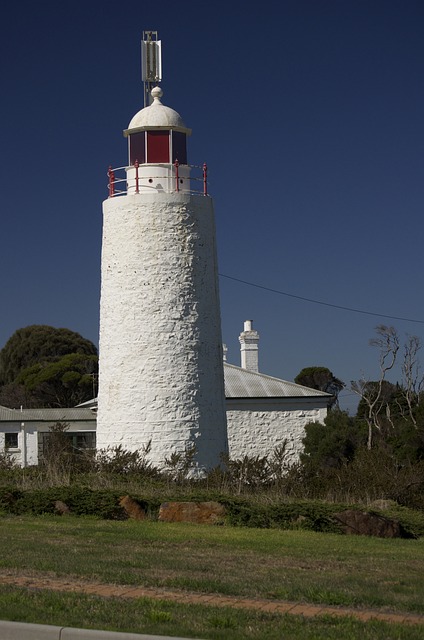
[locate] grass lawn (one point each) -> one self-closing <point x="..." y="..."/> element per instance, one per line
<point x="268" y="563"/>
<point x="191" y="621"/>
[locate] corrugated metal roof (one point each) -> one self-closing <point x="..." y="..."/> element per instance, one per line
<point x="46" y="415"/>
<point x="241" y="383"/>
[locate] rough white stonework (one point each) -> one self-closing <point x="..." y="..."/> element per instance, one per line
<point x="257" y="427"/>
<point x="161" y="375"/>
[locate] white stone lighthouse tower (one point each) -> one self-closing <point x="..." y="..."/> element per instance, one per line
<point x="161" y="378"/>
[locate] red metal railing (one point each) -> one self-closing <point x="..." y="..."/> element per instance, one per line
<point x="111" y="176"/>
<point x="205" y="179"/>
<point x="118" y="186"/>
<point x="177" y="177"/>
<point x="137" y="189"/>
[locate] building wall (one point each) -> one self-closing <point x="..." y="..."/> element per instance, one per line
<point x="26" y="454"/>
<point x="256" y="428"/>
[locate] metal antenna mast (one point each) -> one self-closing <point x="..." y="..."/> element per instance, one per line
<point x="151" y="63"/>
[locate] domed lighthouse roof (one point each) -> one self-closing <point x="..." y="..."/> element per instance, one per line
<point x="157" y="116"/>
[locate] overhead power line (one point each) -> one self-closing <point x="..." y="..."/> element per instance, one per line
<point x="325" y="304"/>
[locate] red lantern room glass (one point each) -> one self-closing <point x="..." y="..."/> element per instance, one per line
<point x="162" y="146"/>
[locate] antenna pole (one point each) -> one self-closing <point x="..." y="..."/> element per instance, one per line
<point x="151" y="63"/>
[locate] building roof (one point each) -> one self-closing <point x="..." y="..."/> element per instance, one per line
<point x="46" y="415"/>
<point x="157" y="116"/>
<point x="242" y="383"/>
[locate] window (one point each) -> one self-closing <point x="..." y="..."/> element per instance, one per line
<point x="86" y="440"/>
<point x="158" y="146"/>
<point x="137" y="150"/>
<point x="179" y="147"/>
<point x="11" y="440"/>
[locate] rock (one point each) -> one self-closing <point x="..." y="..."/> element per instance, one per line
<point x="132" y="508"/>
<point x="196" y="512"/>
<point x="299" y="521"/>
<point x="362" y="523"/>
<point x="61" y="508"/>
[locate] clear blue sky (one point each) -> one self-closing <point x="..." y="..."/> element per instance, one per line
<point x="310" y="115"/>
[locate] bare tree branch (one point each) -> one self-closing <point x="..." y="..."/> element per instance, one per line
<point x="387" y="341"/>
<point x="412" y="379"/>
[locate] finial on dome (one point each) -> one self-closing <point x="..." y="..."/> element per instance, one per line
<point x="157" y="93"/>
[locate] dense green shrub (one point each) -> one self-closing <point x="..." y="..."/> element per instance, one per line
<point x="314" y="516"/>
<point x="333" y="443"/>
<point x="81" y="501"/>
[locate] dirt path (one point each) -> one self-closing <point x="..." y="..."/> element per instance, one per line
<point x="45" y="581"/>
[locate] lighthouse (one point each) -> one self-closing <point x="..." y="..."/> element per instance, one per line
<point x="161" y="380"/>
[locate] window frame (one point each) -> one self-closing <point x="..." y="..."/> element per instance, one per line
<point x="7" y="436"/>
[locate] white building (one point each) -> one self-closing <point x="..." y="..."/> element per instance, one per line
<point x="263" y="413"/>
<point x="23" y="432"/>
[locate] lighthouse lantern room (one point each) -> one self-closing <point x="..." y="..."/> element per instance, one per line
<point x="157" y="148"/>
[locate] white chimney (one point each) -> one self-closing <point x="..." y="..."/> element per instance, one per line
<point x="224" y="352"/>
<point x="249" y="339"/>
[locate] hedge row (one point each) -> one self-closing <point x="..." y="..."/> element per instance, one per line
<point x="311" y="515"/>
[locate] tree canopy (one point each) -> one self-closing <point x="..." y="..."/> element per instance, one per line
<point x="63" y="383"/>
<point x="42" y="366"/>
<point x="333" y="443"/>
<point x="39" y="344"/>
<point x="384" y="405"/>
<point x="322" y="379"/>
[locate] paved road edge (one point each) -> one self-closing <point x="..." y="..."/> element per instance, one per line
<point x="25" y="631"/>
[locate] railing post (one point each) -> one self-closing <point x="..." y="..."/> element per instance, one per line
<point x="205" y="179"/>
<point x="111" y="175"/>
<point x="176" y="165"/>
<point x="136" y="176"/>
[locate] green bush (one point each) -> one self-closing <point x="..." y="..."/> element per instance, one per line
<point x="314" y="516"/>
<point x="332" y="444"/>
<point x="81" y="501"/>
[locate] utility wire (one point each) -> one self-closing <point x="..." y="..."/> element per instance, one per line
<point x="325" y="304"/>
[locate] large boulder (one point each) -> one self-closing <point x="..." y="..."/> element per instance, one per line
<point x="196" y="512"/>
<point x="363" y="523"/>
<point x="132" y="508"/>
<point x="61" y="508"/>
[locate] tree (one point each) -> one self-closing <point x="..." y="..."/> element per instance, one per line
<point x="399" y="433"/>
<point x="41" y="366"/>
<point x="63" y="383"/>
<point x="383" y="396"/>
<point x="388" y="407"/>
<point x="387" y="341"/>
<point x="39" y="344"/>
<point x="412" y="378"/>
<point x="333" y="443"/>
<point x="322" y="379"/>
<point x="14" y="396"/>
